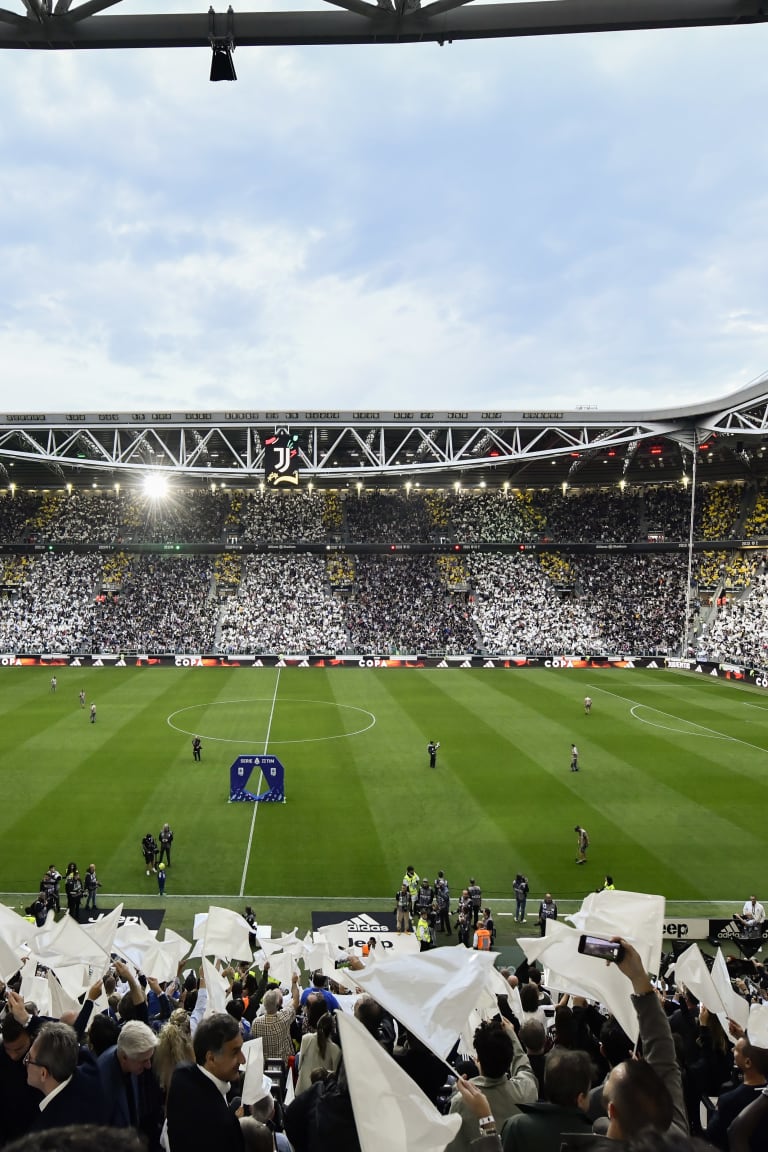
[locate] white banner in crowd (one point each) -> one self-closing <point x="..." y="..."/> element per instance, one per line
<point x="569" y="971"/>
<point x="712" y="989"/>
<point x="391" y="1111"/>
<point x="635" y="916"/>
<point x="227" y="935"/>
<point x="431" y="993"/>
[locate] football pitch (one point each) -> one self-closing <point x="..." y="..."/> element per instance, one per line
<point x="672" y="784"/>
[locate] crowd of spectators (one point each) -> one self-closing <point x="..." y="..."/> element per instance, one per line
<point x="455" y="602"/>
<point x="377" y="516"/>
<point x="210" y="514"/>
<point x="274" y="517"/>
<point x="401" y="606"/>
<point x="164" y="604"/>
<point x="157" y="1063"/>
<point x="739" y="631"/>
<point x="282" y="605"/>
<point x="49" y="604"/>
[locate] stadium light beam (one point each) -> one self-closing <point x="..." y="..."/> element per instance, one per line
<point x="155" y="486"/>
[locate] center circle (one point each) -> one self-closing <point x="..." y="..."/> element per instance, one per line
<point x="248" y="740"/>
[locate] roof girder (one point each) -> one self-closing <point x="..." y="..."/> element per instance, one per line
<point x="441" y="21"/>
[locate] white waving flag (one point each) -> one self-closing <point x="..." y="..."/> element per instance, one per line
<point x="391" y="1111"/>
<point x="431" y="993"/>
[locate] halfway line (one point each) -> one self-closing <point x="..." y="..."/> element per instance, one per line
<point x="682" y="720"/>
<point x="261" y="777"/>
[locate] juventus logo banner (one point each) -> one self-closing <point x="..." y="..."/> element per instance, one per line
<point x="281" y="460"/>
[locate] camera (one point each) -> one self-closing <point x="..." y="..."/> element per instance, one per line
<point x="601" y="948"/>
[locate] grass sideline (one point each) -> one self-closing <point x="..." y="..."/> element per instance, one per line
<point x="672" y="786"/>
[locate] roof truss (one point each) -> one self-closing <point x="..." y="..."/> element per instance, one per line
<point x="44" y="24"/>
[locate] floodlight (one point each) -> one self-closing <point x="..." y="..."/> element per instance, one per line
<point x="155" y="486"/>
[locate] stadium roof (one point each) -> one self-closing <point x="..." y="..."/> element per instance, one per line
<point x="388" y="449"/>
<point x="62" y="24"/>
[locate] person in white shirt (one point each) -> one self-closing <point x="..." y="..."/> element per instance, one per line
<point x="752" y="916"/>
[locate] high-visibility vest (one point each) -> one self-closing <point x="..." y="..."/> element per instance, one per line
<point x="413" y="884"/>
<point x="423" y="931"/>
<point x="482" y="940"/>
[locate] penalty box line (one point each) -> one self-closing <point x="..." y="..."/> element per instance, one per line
<point x="261" y="777"/>
<point x="680" y="719"/>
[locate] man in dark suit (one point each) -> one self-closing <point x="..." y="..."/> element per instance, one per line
<point x="199" y="1118"/>
<point x="130" y="1092"/>
<point x="66" y="1075"/>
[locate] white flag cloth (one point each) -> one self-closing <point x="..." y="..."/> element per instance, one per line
<point x="757" y="1025"/>
<point x="281" y="968"/>
<point x="133" y="942"/>
<point x="176" y="944"/>
<point x="10" y="961"/>
<point x="36" y="988"/>
<point x="226" y="935"/>
<point x="390" y="1109"/>
<point x="218" y="989"/>
<point x="103" y="929"/>
<point x="60" y="1000"/>
<point x="253" y="1050"/>
<point x="431" y="993"/>
<point x="716" y="995"/>
<point x="14" y="929"/>
<point x="69" y="941"/>
<point x="580" y="975"/>
<point x="75" y="978"/>
<point x="337" y="934"/>
<point x="636" y="916"/>
<point x="160" y="961"/>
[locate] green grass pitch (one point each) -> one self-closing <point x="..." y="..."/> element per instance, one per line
<point x="673" y="783"/>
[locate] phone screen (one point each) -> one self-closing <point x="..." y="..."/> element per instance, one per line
<point x="600" y="948"/>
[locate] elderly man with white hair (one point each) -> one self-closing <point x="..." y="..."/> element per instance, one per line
<point x="274" y="1026"/>
<point x="131" y="1095"/>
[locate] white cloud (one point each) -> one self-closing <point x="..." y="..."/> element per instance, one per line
<point x="570" y="220"/>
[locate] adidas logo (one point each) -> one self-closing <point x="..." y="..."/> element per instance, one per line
<point x="441" y="664"/>
<point x="466" y="664"/>
<point x="365" y="923"/>
<point x="489" y="664"/>
<point x="652" y="664"/>
<point x="75" y="663"/>
<point x="258" y="664"/>
<point x="303" y="664"/>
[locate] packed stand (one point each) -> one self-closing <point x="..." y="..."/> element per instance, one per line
<point x="53" y="609"/>
<point x="384" y="517"/>
<point x="583" y="516"/>
<point x="739" y="632"/>
<point x="16" y="511"/>
<point x="283" y="517"/>
<point x="192" y="516"/>
<point x="400" y="605"/>
<point x="517" y="609"/>
<point x="282" y="605"/>
<point x="721" y="509"/>
<point x="636" y="602"/>
<point x="494" y="517"/>
<point x="164" y="604"/>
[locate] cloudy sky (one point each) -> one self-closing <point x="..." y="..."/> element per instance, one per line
<point x="494" y="224"/>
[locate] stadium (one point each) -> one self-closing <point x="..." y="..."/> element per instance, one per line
<point x="388" y="571"/>
<point x="455" y="716"/>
